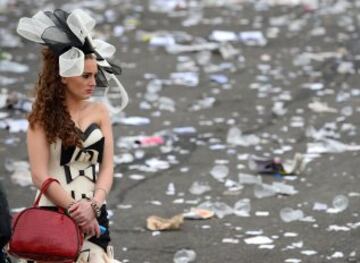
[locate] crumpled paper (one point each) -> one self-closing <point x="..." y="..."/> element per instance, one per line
<point x="156" y="223"/>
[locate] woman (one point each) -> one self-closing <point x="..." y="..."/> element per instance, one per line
<point x="69" y="136"/>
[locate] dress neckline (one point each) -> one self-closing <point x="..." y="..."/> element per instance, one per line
<point x="96" y="143"/>
<point x="88" y="130"/>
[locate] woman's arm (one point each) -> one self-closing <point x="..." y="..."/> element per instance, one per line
<point x="105" y="178"/>
<point x="82" y="211"/>
<point x="39" y="154"/>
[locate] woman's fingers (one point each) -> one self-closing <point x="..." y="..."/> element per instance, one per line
<point x="97" y="231"/>
<point x="76" y="206"/>
<point x="82" y="223"/>
<point x="91" y="229"/>
<point x="88" y="225"/>
<point x="84" y="231"/>
<point x="80" y="219"/>
<point x="82" y="209"/>
<point x="73" y="208"/>
<point x="76" y="215"/>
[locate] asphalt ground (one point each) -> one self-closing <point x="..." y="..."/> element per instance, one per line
<point x="239" y="103"/>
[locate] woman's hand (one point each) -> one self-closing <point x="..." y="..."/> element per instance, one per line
<point x="82" y="212"/>
<point x="91" y="228"/>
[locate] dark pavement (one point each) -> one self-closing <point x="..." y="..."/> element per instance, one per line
<point x="268" y="94"/>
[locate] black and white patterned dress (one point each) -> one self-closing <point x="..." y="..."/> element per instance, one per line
<point x="77" y="169"/>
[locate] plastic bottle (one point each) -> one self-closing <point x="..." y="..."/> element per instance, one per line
<point x="288" y="214"/>
<point x="242" y="207"/>
<point x="219" y="172"/>
<point x="340" y="202"/>
<point x="264" y="190"/>
<point x="102" y="229"/>
<point x="249" y="179"/>
<point x="221" y="209"/>
<point x="198" y="188"/>
<point x="184" y="256"/>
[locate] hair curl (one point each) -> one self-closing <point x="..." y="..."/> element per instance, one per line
<point x="49" y="109"/>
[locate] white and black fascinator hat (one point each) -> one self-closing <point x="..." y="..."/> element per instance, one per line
<point x="68" y="35"/>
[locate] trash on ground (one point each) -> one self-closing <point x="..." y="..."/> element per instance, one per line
<point x="198" y="213"/>
<point x="155" y="223"/>
<point x="184" y="256"/>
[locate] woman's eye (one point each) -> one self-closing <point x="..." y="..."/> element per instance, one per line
<point x="86" y="76"/>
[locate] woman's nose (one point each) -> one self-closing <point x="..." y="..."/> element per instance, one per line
<point x="93" y="81"/>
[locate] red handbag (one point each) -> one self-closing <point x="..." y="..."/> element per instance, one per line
<point x="41" y="234"/>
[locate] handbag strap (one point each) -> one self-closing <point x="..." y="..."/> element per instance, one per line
<point x="45" y="185"/>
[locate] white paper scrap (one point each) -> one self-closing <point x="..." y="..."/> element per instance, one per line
<point x="262" y="213"/>
<point x="259" y="240"/>
<point x="308" y="252"/>
<point x="223" y="36"/>
<point x="266" y="246"/>
<point x="254" y="232"/>
<point x="337" y="254"/>
<point x="136" y="177"/>
<point x="290" y="234"/>
<point x="230" y="240"/>
<point x="337" y="228"/>
<point x="155" y="233"/>
<point x="292" y="260"/>
<point x="320" y="207"/>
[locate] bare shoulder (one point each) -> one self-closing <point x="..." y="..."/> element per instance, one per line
<point x="100" y="110"/>
<point x="97" y="108"/>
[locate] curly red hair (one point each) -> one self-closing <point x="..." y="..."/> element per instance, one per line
<point x="49" y="109"/>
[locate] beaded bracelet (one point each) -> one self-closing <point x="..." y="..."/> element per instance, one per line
<point x="95" y="207"/>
